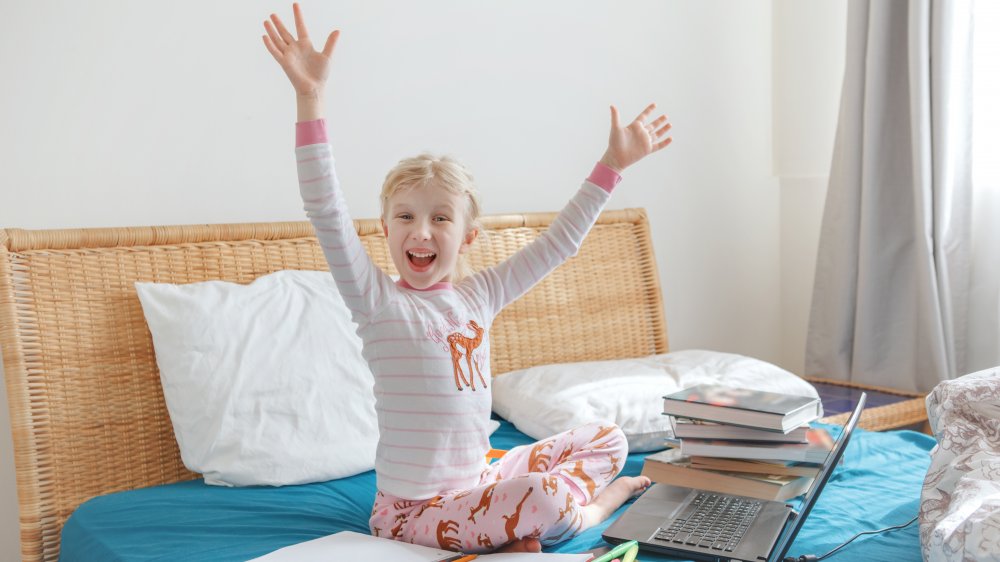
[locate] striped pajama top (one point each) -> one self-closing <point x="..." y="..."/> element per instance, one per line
<point x="429" y="350"/>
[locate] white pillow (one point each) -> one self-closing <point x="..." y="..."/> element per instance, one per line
<point x="265" y="383"/>
<point x="545" y="400"/>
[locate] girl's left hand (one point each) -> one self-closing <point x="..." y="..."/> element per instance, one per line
<point x="627" y="145"/>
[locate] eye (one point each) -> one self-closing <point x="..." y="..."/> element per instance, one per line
<point x="441" y="218"/>
<point x="404" y="216"/>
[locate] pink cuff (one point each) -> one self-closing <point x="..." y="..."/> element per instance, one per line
<point x="310" y="132"/>
<point x="604" y="177"/>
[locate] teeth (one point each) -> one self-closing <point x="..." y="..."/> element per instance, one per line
<point x="422" y="254"/>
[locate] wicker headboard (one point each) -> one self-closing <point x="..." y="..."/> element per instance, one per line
<point x="87" y="412"/>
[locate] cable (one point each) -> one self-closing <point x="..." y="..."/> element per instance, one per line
<point x="814" y="558"/>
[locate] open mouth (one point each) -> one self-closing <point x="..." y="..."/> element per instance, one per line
<point x="421" y="259"/>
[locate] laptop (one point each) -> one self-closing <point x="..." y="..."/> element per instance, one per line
<point x="702" y="525"/>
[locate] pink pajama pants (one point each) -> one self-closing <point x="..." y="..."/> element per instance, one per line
<point x="534" y="491"/>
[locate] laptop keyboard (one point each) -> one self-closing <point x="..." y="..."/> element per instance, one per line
<point x="711" y="521"/>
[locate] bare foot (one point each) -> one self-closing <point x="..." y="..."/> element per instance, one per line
<point x="522" y="545"/>
<point x="617" y="493"/>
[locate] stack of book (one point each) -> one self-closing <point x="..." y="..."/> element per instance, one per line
<point x="744" y="442"/>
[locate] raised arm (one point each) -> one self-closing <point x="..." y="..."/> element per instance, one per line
<point x="626" y="145"/>
<point x="361" y="283"/>
<point x="307" y="69"/>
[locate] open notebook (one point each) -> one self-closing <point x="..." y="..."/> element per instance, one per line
<point x="357" y="546"/>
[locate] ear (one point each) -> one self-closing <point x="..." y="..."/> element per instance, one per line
<point x="470" y="237"/>
<point x="385" y="229"/>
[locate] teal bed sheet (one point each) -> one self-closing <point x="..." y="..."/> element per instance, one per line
<point x="877" y="485"/>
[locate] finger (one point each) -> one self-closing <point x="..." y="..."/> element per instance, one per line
<point x="271" y="48"/>
<point x="282" y="30"/>
<point x="645" y="112"/>
<point x="614" y="117"/>
<point x="330" y="42"/>
<point x="663" y="143"/>
<point x="276" y="39"/>
<point x="300" y="23"/>
<point x="658" y="121"/>
<point x="662" y="130"/>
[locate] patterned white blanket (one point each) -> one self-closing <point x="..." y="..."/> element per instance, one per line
<point x="960" y="502"/>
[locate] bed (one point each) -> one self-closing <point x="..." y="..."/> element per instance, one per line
<point x="99" y="475"/>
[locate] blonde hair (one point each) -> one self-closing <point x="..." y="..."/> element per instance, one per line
<point x="438" y="171"/>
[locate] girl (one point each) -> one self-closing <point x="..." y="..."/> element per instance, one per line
<point x="426" y="338"/>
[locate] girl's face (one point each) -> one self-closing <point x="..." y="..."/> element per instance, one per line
<point x="426" y="228"/>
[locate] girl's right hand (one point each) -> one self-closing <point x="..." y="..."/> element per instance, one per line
<point x="305" y="67"/>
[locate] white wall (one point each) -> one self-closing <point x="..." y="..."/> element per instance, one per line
<point x="129" y="113"/>
<point x="809" y="47"/>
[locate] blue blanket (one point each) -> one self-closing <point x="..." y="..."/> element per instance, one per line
<point x="877" y="485"/>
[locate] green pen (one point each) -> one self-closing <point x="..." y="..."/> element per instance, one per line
<point x="627" y="550"/>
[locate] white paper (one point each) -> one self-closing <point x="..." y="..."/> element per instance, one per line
<point x="532" y="556"/>
<point x="348" y="545"/>
<point x="356" y="546"/>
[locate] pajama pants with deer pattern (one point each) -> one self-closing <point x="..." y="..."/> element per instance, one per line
<point x="533" y="491"/>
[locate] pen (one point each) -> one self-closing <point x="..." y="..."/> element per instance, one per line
<point x="631" y="554"/>
<point x="464" y="558"/>
<point x="629" y="549"/>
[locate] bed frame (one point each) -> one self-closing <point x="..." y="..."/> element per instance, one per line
<point x="87" y="412"/>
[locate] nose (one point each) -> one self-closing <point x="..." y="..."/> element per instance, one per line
<point x="421" y="231"/>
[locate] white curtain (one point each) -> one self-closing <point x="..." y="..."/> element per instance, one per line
<point x="890" y="297"/>
<point x="984" y="293"/>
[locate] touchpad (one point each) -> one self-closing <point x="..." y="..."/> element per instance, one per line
<point x="661" y="500"/>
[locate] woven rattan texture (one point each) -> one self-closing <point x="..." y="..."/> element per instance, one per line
<point x="911" y="410"/>
<point x="87" y="411"/>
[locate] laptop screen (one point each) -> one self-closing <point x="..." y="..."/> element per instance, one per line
<point x="828" y="465"/>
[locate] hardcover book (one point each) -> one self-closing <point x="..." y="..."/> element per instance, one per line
<point x="700" y="429"/>
<point x="745" y="407"/>
<point x="815" y="451"/>
<point x="671" y="467"/>
<point x="783" y="468"/>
